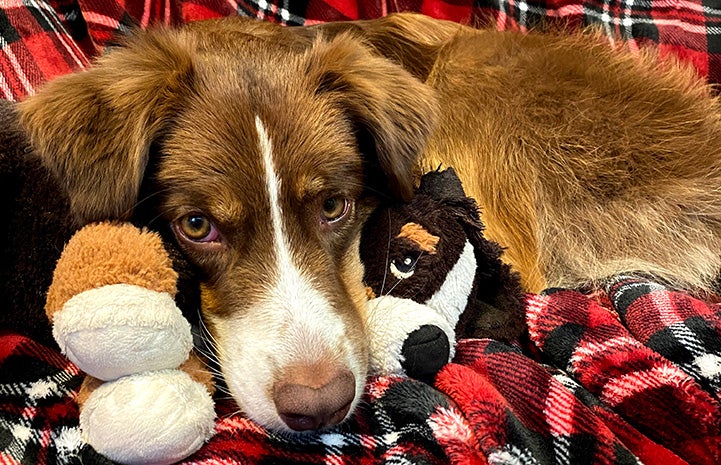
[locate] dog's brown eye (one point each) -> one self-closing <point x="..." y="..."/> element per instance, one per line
<point x="197" y="228"/>
<point x="334" y="208"/>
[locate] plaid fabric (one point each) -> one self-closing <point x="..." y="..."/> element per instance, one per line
<point x="41" y="39"/>
<point x="587" y="340"/>
<point x="628" y="376"/>
<point x="682" y="329"/>
<point x="38" y="418"/>
<point x="589" y="389"/>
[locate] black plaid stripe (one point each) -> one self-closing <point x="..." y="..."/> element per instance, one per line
<point x="610" y="15"/>
<point x="38" y="420"/>
<point x="526" y="14"/>
<point x="712" y="12"/>
<point x="17" y="74"/>
<point x="686" y="344"/>
<point x="35" y="47"/>
<point x="642" y="23"/>
<point x="291" y="13"/>
<point x="49" y="21"/>
<point x="682" y="329"/>
<point x="9" y="33"/>
<point x="72" y="16"/>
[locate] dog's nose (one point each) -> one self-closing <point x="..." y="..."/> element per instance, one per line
<point x="308" y="400"/>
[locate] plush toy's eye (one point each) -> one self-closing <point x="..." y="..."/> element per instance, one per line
<point x="197" y="228"/>
<point x="405" y="267"/>
<point x="335" y="208"/>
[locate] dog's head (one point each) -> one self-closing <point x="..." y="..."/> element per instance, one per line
<point x="263" y="152"/>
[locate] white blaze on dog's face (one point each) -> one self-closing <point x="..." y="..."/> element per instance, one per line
<point x="293" y="334"/>
<point x="264" y="160"/>
<point x="292" y="345"/>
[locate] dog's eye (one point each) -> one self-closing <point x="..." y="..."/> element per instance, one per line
<point x="335" y="208"/>
<point x="405" y="267"/>
<point x="197" y="228"/>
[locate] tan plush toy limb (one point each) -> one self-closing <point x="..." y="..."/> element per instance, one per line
<point x="147" y="398"/>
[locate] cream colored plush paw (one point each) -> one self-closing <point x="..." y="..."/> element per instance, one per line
<point x="158" y="418"/>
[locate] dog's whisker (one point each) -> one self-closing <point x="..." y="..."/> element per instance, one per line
<point x="209" y="369"/>
<point x="209" y="359"/>
<point x="227" y="395"/>
<point x="388" y="249"/>
<point x="210" y="346"/>
<point x="158" y="216"/>
<point x="231" y="414"/>
<point x="400" y="280"/>
<point x="150" y="196"/>
<point x="208" y="337"/>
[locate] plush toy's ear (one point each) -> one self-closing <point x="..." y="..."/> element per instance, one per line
<point x="496" y="309"/>
<point x="94" y="128"/>
<point x="442" y="185"/>
<point x="393" y="112"/>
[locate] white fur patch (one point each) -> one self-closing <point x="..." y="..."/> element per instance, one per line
<point x="451" y="299"/>
<point x="390" y="320"/>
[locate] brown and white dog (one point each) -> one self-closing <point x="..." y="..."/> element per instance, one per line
<point x="265" y="148"/>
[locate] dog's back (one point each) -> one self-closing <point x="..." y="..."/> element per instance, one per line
<point x="587" y="160"/>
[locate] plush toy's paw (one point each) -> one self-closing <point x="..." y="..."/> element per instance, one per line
<point x="121" y="329"/>
<point x="407" y="337"/>
<point x="148" y="418"/>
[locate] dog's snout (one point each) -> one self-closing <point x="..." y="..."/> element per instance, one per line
<point x="309" y="399"/>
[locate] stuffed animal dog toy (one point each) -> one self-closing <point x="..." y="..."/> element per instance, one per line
<point x="434" y="278"/>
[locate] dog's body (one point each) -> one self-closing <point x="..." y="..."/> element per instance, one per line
<point x="264" y="149"/>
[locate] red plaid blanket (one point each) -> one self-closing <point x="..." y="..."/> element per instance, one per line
<point x="632" y="375"/>
<point x="629" y="376"/>
<point x="40" y="39"/>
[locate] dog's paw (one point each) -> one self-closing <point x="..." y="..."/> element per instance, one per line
<point x="148" y="418"/>
<point x="122" y="329"/>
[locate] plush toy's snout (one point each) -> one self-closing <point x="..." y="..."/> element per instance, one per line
<point x="425" y="351"/>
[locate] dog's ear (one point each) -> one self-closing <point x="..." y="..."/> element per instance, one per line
<point x="393" y="113"/>
<point x="94" y="128"/>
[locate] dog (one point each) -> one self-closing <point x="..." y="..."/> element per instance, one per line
<point x="263" y="149"/>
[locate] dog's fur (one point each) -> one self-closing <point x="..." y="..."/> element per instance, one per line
<point x="584" y="159"/>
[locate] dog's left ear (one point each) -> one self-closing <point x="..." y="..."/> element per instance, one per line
<point x="94" y="129"/>
<point x="393" y="113"/>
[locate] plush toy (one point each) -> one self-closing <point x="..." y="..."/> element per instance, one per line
<point x="434" y="278"/>
<point x="113" y="311"/>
